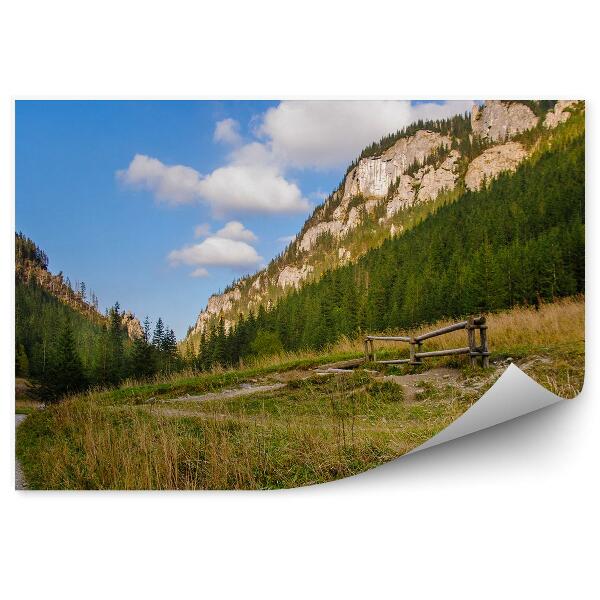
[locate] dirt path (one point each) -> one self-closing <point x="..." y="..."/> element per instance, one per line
<point x="410" y="383"/>
<point x="19" y="477"/>
<point x="244" y="390"/>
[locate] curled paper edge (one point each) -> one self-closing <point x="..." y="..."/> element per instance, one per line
<point x="514" y="394"/>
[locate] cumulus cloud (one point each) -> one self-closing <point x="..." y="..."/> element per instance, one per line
<point x="246" y="188"/>
<point x="251" y="183"/>
<point x="325" y="134"/>
<point x="234" y="230"/>
<point x="216" y="252"/>
<point x="171" y="184"/>
<point x="228" y="132"/>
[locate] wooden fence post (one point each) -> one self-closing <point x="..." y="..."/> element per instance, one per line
<point x="471" y="337"/>
<point x="415" y="347"/>
<point x="485" y="359"/>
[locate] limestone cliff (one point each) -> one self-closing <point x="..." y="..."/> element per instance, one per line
<point x="499" y="120"/>
<point x="493" y="161"/>
<point x="559" y="114"/>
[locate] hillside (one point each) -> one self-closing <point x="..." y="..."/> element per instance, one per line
<point x="393" y="185"/>
<point x="64" y="344"/>
<point x="31" y="269"/>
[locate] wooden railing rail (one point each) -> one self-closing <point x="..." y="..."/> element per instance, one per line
<point x="416" y="355"/>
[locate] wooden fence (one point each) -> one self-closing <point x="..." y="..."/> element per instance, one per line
<point x="416" y="343"/>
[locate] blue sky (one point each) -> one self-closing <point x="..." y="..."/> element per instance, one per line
<point x="158" y="204"/>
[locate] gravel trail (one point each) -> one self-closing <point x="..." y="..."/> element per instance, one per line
<point x="244" y="390"/>
<point x="19" y="478"/>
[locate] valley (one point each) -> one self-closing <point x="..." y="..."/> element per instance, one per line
<point x="478" y="214"/>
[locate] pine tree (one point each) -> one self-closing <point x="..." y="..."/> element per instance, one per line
<point x="115" y="357"/>
<point x="142" y="354"/>
<point x="64" y="374"/>
<point x="159" y="334"/>
<point x="169" y="350"/>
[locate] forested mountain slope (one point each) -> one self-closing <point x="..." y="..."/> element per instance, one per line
<point x="392" y="186"/>
<point x="64" y="343"/>
<point x="517" y="240"/>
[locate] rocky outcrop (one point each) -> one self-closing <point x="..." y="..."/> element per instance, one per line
<point x="374" y="175"/>
<point x="312" y="233"/>
<point x="292" y="276"/>
<point x="132" y="325"/>
<point x="372" y="178"/>
<point x="218" y="304"/>
<point x="433" y="181"/>
<point x="492" y="162"/>
<point x="425" y="185"/>
<point x="394" y="231"/>
<point x="499" y="120"/>
<point x="559" y="114"/>
<point x="403" y="197"/>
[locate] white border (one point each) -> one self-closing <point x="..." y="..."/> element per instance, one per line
<point x="511" y="512"/>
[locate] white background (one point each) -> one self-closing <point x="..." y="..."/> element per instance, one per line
<point x="507" y="513"/>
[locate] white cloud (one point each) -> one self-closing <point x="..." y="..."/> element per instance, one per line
<point x="228" y="132"/>
<point x="249" y="184"/>
<point x="325" y="134"/>
<point x="251" y="188"/>
<point x="199" y="272"/>
<point x="171" y="184"/>
<point x="227" y="247"/>
<point x="202" y="230"/>
<point x="216" y="252"/>
<point x="234" y="230"/>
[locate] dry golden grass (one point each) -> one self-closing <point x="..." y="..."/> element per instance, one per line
<point x="518" y="332"/>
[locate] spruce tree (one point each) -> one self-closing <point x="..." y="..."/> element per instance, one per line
<point x="116" y="354"/>
<point x="64" y="373"/>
